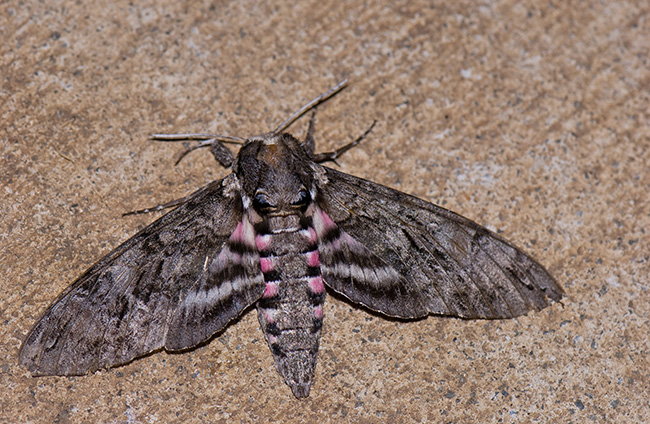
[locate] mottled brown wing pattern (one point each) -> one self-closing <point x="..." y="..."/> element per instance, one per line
<point x="408" y="258"/>
<point x="172" y="285"/>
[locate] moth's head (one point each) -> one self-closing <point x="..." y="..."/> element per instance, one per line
<point x="276" y="174"/>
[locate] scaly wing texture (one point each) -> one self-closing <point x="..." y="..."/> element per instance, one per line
<point x="173" y="285"/>
<point x="407" y="258"/>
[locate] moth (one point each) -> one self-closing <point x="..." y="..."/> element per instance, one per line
<point x="275" y="234"/>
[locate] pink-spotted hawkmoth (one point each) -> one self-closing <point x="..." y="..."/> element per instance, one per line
<point x="275" y="233"/>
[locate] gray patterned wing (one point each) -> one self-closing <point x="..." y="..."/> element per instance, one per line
<point x="407" y="258"/>
<point x="173" y="285"/>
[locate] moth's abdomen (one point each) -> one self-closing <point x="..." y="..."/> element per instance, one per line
<point x="291" y="309"/>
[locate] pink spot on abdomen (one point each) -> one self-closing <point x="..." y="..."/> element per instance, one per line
<point x="313" y="258"/>
<point x="266" y="264"/>
<point x="311" y="236"/>
<point x="316" y="285"/>
<point x="262" y="242"/>
<point x="318" y="312"/>
<point x="271" y="290"/>
<point x="269" y="316"/>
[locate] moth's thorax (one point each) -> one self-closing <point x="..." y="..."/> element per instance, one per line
<point x="278" y="151"/>
<point x="277" y="196"/>
<point x="275" y="165"/>
<point x="273" y="151"/>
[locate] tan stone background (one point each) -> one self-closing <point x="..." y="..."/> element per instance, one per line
<point x="529" y="117"/>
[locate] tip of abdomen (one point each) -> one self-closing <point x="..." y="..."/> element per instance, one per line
<point x="297" y="368"/>
<point x="301" y="390"/>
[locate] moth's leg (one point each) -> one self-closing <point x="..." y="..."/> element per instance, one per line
<point x="156" y="208"/>
<point x="309" y="144"/>
<point x="214" y="141"/>
<point x="332" y="156"/>
<point x="220" y="152"/>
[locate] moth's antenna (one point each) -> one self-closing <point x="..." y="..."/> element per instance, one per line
<point x="209" y="137"/>
<point x="309" y="106"/>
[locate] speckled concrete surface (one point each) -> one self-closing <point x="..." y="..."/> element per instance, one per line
<point x="528" y="117"/>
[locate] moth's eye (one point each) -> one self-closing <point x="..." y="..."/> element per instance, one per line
<point x="303" y="199"/>
<point x="261" y="202"/>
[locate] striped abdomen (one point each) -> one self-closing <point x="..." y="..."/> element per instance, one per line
<point x="291" y="309"/>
